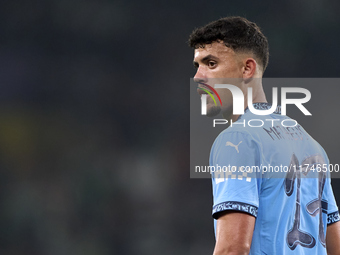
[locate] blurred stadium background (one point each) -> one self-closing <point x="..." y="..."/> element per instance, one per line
<point x="94" y="151"/>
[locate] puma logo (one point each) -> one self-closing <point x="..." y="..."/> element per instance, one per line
<point x="233" y="145"/>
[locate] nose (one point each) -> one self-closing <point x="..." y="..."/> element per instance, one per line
<point x="200" y="76"/>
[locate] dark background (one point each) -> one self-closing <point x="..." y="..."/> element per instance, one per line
<point x="94" y="118"/>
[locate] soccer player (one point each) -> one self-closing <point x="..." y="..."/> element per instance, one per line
<point x="289" y="210"/>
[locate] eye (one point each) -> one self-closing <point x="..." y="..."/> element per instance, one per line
<point x="211" y="64"/>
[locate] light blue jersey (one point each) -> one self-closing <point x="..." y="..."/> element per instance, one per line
<point x="279" y="175"/>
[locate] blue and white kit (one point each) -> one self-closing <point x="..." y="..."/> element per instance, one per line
<point x="277" y="174"/>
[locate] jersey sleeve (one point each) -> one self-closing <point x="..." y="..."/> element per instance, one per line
<point x="332" y="210"/>
<point x="234" y="160"/>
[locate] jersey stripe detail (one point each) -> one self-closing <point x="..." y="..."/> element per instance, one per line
<point x="333" y="217"/>
<point x="234" y="206"/>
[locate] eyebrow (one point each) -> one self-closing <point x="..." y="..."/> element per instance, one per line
<point x="206" y="58"/>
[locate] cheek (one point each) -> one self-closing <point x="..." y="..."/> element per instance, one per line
<point x="226" y="98"/>
<point x="224" y="93"/>
<point x="231" y="70"/>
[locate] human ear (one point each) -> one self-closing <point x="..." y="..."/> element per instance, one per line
<point x="249" y="70"/>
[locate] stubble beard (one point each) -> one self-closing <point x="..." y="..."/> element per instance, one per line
<point x="213" y="111"/>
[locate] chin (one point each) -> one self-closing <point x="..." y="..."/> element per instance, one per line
<point x="213" y="111"/>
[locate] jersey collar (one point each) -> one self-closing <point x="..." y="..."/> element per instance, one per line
<point x="261" y="106"/>
<point x="265" y="106"/>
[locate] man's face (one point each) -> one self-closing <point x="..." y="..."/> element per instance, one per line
<point x="218" y="64"/>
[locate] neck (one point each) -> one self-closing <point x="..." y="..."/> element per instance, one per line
<point x="258" y="96"/>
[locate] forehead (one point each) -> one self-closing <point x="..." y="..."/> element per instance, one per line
<point x="217" y="49"/>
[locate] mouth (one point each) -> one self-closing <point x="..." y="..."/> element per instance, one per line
<point x="201" y="92"/>
<point x="203" y="89"/>
<point x="207" y="89"/>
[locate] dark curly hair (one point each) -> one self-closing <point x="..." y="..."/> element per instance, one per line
<point x="237" y="33"/>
